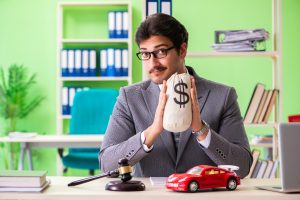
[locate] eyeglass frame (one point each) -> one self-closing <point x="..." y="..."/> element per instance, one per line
<point x="154" y="53"/>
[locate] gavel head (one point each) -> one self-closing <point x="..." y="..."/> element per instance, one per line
<point x="125" y="169"/>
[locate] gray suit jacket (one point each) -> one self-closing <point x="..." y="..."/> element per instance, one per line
<point x="134" y="112"/>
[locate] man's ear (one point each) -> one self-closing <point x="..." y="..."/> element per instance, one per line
<point x="183" y="50"/>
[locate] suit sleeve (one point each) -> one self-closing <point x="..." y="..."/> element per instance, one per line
<point x="230" y="145"/>
<point x="121" y="139"/>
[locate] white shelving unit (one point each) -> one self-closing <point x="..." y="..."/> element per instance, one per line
<point x="275" y="54"/>
<point x="101" y="40"/>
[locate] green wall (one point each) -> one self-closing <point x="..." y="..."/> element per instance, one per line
<point x="28" y="30"/>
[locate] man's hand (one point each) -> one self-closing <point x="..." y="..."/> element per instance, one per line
<point x="153" y="131"/>
<point x="196" y="124"/>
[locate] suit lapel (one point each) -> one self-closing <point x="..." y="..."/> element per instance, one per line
<point x="202" y="94"/>
<point x="151" y="96"/>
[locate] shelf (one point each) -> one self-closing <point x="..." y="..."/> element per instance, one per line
<point x="95" y="40"/>
<point x="266" y="145"/>
<point x="66" y="116"/>
<point x="80" y="4"/>
<point x="94" y="78"/>
<point x="271" y="54"/>
<point x="268" y="125"/>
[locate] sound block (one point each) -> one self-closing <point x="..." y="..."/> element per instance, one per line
<point x="125" y="186"/>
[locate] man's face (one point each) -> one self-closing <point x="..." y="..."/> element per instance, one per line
<point x="160" y="69"/>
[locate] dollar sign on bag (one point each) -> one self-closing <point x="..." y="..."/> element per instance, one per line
<point x="183" y="96"/>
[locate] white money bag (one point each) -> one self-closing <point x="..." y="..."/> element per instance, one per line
<point x="178" y="109"/>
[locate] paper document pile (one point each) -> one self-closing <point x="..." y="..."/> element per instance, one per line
<point x="240" y="40"/>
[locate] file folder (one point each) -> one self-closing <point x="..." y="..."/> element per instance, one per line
<point x="166" y="6"/>
<point x="118" y="24"/>
<point x="151" y="7"/>
<point x="124" y="62"/>
<point x="78" y="67"/>
<point x="103" y="62"/>
<point x="110" y="62"/>
<point x="92" y="63"/>
<point x="118" y="62"/>
<point x="65" y="101"/>
<point x="125" y="25"/>
<point x="64" y="62"/>
<point x="71" y="62"/>
<point x="85" y="62"/>
<point x="72" y="92"/>
<point x="112" y="24"/>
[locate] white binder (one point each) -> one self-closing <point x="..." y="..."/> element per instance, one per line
<point x="112" y="24"/>
<point x="92" y="63"/>
<point x="103" y="62"/>
<point x="119" y="24"/>
<point x="124" y="62"/>
<point x="118" y="62"/>
<point x="78" y="67"/>
<point x="71" y="60"/>
<point x="85" y="62"/>
<point x="166" y="6"/>
<point x="151" y="7"/>
<point x="64" y="62"/>
<point x="125" y="25"/>
<point x="110" y="62"/>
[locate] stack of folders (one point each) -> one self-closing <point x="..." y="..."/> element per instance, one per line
<point x="83" y="62"/>
<point x="118" y="24"/>
<point x="158" y="6"/>
<point x="68" y="94"/>
<point x="23" y="181"/>
<point x="261" y="104"/>
<point x="113" y="62"/>
<point x="240" y="40"/>
<point x="78" y="62"/>
<point x="262" y="168"/>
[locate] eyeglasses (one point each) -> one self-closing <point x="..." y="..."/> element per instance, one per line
<point x="160" y="53"/>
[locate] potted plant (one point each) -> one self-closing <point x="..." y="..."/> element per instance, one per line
<point x="14" y="101"/>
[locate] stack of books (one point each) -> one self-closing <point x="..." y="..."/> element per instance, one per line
<point x="23" y="181"/>
<point x="261" y="104"/>
<point x="262" y="168"/>
<point x="240" y="40"/>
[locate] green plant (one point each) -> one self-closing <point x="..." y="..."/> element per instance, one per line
<point x="14" y="101"/>
<point x="14" y="90"/>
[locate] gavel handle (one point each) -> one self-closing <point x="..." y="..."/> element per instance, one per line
<point x="91" y="178"/>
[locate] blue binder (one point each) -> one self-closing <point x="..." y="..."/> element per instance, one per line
<point x="166" y="6"/>
<point x="65" y="101"/>
<point x="110" y="62"/>
<point x="85" y="62"/>
<point x="124" y="62"/>
<point x="71" y="62"/>
<point x="78" y="63"/>
<point x="125" y="21"/>
<point x="92" y="62"/>
<point x="118" y="62"/>
<point x="151" y="7"/>
<point x="118" y="24"/>
<point x="103" y="62"/>
<point x="64" y="62"/>
<point x="112" y="24"/>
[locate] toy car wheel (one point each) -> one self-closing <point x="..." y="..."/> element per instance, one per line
<point x="231" y="184"/>
<point x="193" y="186"/>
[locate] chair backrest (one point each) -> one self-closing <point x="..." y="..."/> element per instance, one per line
<point x="91" y="111"/>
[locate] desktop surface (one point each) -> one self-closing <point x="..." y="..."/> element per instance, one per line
<point x="58" y="189"/>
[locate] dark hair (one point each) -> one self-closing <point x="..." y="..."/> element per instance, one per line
<point x="164" y="25"/>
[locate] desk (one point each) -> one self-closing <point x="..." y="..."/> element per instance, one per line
<point x="95" y="191"/>
<point x="56" y="141"/>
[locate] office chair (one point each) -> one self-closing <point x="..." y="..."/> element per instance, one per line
<point x="89" y="115"/>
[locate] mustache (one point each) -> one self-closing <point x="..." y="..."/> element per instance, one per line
<point x="158" y="68"/>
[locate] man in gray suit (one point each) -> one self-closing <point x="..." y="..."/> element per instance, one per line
<point x="135" y="130"/>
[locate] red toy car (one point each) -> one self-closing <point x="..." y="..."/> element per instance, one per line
<point x="204" y="177"/>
